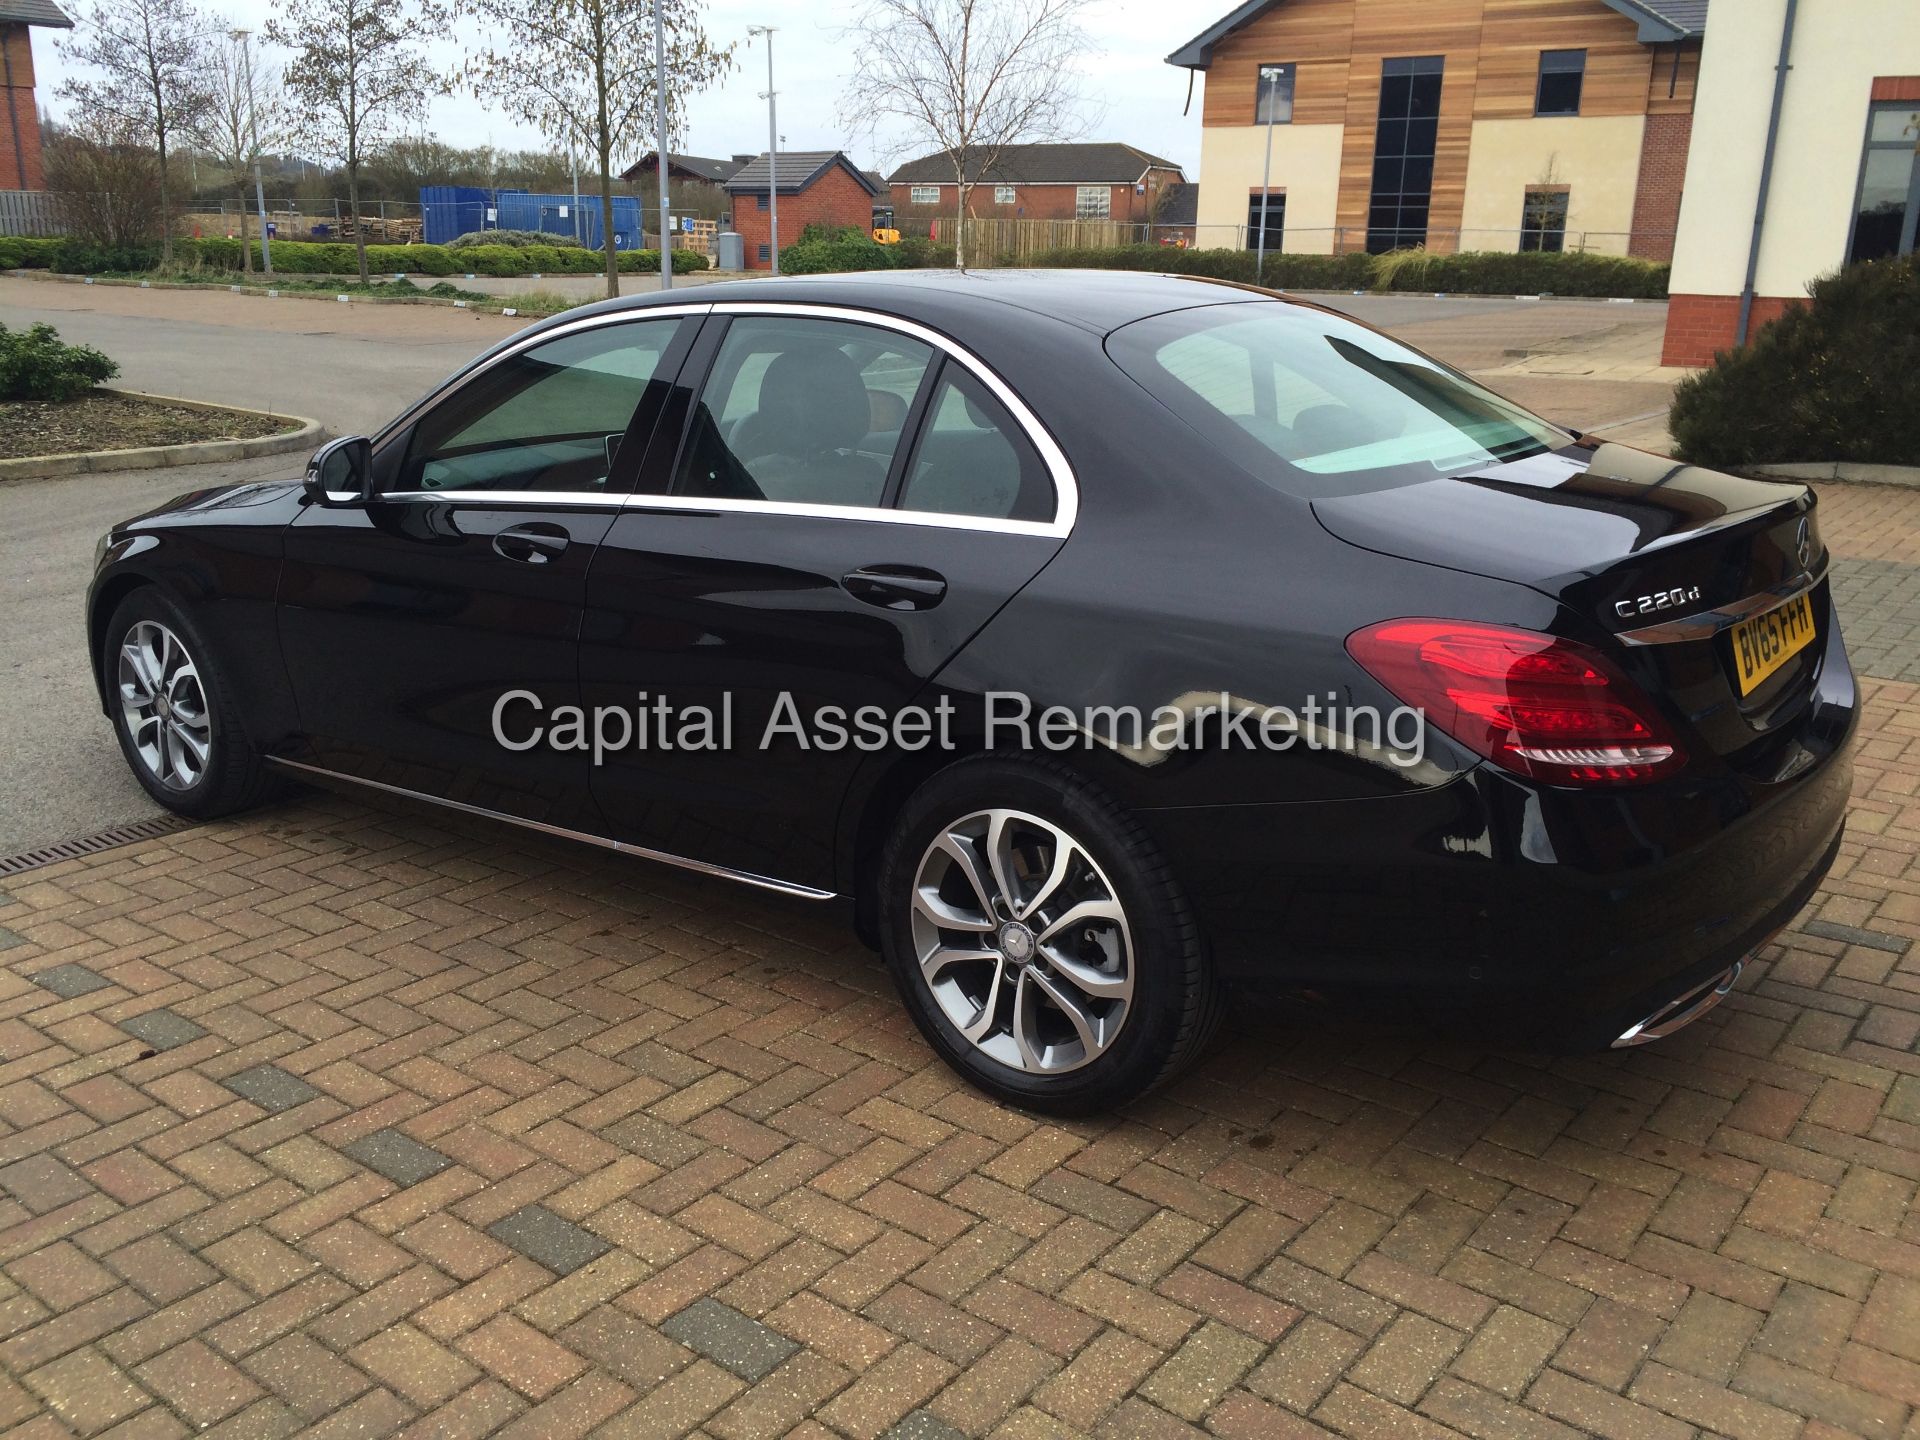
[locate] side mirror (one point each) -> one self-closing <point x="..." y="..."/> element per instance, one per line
<point x="340" y="473"/>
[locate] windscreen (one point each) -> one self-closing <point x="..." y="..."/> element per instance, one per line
<point x="1340" y="408"/>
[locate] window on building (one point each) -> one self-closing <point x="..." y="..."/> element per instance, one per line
<point x="1276" y="219"/>
<point x="1543" y="219"/>
<point x="1403" y="144"/>
<point x="1888" y="208"/>
<point x="1092" y="202"/>
<point x="1003" y="194"/>
<point x="760" y="202"/>
<point x="766" y="252"/>
<point x="1273" y="96"/>
<point x="1561" y="74"/>
<point x="924" y="194"/>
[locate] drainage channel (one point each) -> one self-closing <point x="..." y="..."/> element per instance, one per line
<point x="93" y="844"/>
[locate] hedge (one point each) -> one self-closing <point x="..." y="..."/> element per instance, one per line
<point x="1835" y="379"/>
<point x="302" y="257"/>
<point x="1474" y="272"/>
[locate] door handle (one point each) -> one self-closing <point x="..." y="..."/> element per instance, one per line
<point x="532" y="544"/>
<point x="895" y="587"/>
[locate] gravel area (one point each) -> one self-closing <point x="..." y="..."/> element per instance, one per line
<point x="119" y="422"/>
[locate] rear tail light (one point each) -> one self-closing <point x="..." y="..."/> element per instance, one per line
<point x="1546" y="708"/>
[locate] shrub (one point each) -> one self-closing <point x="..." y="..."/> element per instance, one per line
<point x="78" y="257"/>
<point x="821" y="250"/>
<point x="1837" y="379"/>
<point x="36" y="364"/>
<point x="1526" y="272"/>
<point x="1282" y="271"/>
<point x="917" y="252"/>
<point x="509" y="237"/>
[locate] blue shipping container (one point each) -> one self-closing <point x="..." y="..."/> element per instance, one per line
<point x="453" y="210"/>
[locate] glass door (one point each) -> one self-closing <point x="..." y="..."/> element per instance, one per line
<point x="1889" y="199"/>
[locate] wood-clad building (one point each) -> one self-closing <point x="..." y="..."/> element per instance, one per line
<point x="1453" y="124"/>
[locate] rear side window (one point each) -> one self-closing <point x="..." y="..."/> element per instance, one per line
<point x="1317" y="405"/>
<point x="973" y="459"/>
<point x="808" y="412"/>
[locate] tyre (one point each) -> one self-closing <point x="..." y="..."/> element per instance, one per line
<point x="1039" y="940"/>
<point x="174" y="714"/>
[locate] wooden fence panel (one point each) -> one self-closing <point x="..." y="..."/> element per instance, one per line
<point x="29" y="212"/>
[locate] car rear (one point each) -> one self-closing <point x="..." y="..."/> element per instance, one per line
<point x="1662" y="762"/>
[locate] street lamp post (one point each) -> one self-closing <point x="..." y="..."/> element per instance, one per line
<point x="1266" y="182"/>
<point x="660" y="123"/>
<point x="773" y="154"/>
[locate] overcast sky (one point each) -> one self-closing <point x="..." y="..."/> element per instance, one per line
<point x="1136" y="96"/>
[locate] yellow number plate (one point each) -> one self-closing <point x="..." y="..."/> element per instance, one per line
<point x="1766" y="642"/>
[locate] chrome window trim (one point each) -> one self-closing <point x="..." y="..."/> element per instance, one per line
<point x="703" y="867"/>
<point x="1066" y="489"/>
<point x="1708" y="623"/>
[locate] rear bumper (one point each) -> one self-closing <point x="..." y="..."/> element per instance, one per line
<point x="1530" y="918"/>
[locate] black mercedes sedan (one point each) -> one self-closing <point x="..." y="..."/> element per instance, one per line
<point x="1111" y="644"/>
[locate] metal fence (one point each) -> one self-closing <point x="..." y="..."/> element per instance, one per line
<point x="998" y="241"/>
<point x="29" y="212"/>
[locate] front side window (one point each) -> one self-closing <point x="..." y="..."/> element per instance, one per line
<point x="1543" y="219"/>
<point x="549" y="418"/>
<point x="1092" y="202"/>
<point x="973" y="459"/>
<point x="807" y="412"/>
<point x="1888" y="208"/>
<point x="924" y="194"/>
<point x="1319" y="406"/>
<point x="1562" y="73"/>
<point x="1003" y="194"/>
<point x="1273" y="96"/>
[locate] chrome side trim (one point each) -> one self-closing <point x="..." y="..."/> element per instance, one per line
<point x="1066" y="487"/>
<point x="1676" y="1014"/>
<point x="744" y="877"/>
<point x="1711" y="622"/>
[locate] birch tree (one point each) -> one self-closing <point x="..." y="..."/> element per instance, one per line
<point x="242" y="124"/>
<point x="149" y="77"/>
<point x="968" y="78"/>
<point x="582" y="73"/>
<point x="359" y="73"/>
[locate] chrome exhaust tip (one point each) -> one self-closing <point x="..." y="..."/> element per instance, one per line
<point x="1680" y="1013"/>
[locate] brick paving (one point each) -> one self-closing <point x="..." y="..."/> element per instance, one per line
<point x="342" y="1120"/>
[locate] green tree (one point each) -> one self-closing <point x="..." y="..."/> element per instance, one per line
<point x="582" y="72"/>
<point x="358" y="73"/>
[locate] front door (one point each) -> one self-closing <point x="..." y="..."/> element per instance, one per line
<point x="405" y="622"/>
<point x="849" y="505"/>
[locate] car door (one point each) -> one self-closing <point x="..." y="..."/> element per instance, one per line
<point x="849" y="500"/>
<point x="405" y="621"/>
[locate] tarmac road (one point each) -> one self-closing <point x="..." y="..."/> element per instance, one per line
<point x="352" y="367"/>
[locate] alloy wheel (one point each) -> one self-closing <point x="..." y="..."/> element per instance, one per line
<point x="1023" y="941"/>
<point x="164" y="705"/>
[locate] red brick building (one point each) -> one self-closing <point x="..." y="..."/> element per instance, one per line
<point x="815" y="187"/>
<point x="1100" y="180"/>
<point x="20" y="117"/>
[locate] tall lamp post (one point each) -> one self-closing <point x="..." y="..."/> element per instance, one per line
<point x="773" y="154"/>
<point x="245" y="37"/>
<point x="1266" y="173"/>
<point x="660" y="122"/>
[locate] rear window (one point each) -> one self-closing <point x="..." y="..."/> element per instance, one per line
<point x="1316" y="405"/>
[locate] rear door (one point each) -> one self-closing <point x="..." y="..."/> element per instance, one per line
<point x="837" y="503"/>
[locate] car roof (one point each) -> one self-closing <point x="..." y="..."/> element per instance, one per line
<point x="1098" y="301"/>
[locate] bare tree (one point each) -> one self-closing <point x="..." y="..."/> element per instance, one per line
<point x="105" y="179"/>
<point x="582" y="72"/>
<point x="242" y="124"/>
<point x="358" y="73"/>
<point x="968" y="77"/>
<point x="148" y="55"/>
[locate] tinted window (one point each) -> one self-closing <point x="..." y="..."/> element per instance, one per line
<point x="548" y="418"/>
<point x="1317" y="405"/>
<point x="1273" y="96"/>
<point x="1561" y="74"/>
<point x="973" y="459"/>
<point x="804" y="411"/>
